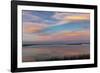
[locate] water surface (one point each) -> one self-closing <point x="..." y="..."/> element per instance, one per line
<point x="37" y="53"/>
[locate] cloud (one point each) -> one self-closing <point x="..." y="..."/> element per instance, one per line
<point x="65" y="36"/>
<point x="71" y="36"/>
<point x="60" y="15"/>
<point x="70" y="17"/>
<point x="82" y="25"/>
<point x="29" y="17"/>
<point x="73" y="33"/>
<point x="61" y="27"/>
<point x="29" y="27"/>
<point x="77" y="18"/>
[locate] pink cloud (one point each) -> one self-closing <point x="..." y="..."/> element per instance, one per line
<point x="65" y="36"/>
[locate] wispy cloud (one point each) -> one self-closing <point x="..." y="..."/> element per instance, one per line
<point x="66" y="36"/>
<point x="29" y="27"/>
<point x="44" y="26"/>
<point x="29" y="17"/>
<point x="70" y="17"/>
<point x="60" y="36"/>
<point x="74" y="26"/>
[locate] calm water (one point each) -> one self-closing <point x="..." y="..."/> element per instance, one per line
<point x="55" y="52"/>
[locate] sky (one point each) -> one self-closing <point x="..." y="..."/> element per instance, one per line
<point x="55" y="27"/>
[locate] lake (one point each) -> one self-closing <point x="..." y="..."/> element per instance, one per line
<point x="37" y="53"/>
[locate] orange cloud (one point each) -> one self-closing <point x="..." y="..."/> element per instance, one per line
<point x="33" y="27"/>
<point x="77" y="17"/>
<point x="77" y="33"/>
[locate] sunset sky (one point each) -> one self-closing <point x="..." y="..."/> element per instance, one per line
<point x="55" y="27"/>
